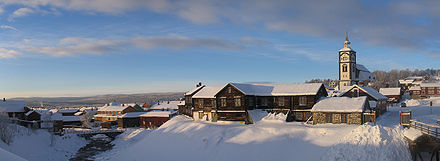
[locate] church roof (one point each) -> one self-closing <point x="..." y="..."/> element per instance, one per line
<point x="346" y="49"/>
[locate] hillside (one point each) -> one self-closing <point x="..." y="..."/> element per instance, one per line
<point x="101" y="99"/>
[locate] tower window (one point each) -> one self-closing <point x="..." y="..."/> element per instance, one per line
<point x="344" y="68"/>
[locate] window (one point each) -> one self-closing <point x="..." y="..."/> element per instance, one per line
<point x="200" y="103"/>
<point x="251" y="101"/>
<point x="237" y="101"/>
<point x="299" y="115"/>
<point x="344" y="68"/>
<point x="229" y="90"/>
<point x="280" y="101"/>
<point x="343" y="118"/>
<point x="303" y="101"/>
<point x="328" y="118"/>
<point x="223" y="102"/>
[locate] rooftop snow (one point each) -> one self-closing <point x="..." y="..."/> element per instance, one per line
<point x="389" y="91"/>
<point x="429" y="84"/>
<point x="208" y="92"/>
<point x="132" y="114"/>
<point x="346" y="49"/>
<point x="364" y="73"/>
<point x="12" y="106"/>
<point x="71" y="118"/>
<point x="194" y="90"/>
<point x="114" y="106"/>
<point x="158" y="114"/>
<point x="166" y="105"/>
<point x="68" y="110"/>
<point x="340" y="104"/>
<point x="278" y="89"/>
<point x="370" y="91"/>
<point x="415" y="88"/>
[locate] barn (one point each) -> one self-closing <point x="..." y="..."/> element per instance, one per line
<point x="155" y="119"/>
<point x="337" y="110"/>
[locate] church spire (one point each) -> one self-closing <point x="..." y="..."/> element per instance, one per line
<point x="347" y="43"/>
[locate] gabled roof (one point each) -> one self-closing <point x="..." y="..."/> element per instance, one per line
<point x="208" y="92"/>
<point x="340" y="104"/>
<point x="12" y="106"/>
<point x="389" y="91"/>
<point x="68" y="110"/>
<point x="166" y="105"/>
<point x="370" y="91"/>
<point x="415" y="88"/>
<point x="194" y="90"/>
<point x="114" y="106"/>
<point x="278" y="89"/>
<point x="158" y="114"/>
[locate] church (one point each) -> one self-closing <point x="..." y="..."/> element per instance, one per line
<point x="351" y="73"/>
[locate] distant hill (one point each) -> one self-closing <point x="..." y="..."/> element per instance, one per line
<point x="100" y="100"/>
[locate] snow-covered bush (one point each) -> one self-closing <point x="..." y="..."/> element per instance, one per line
<point x="7" y="130"/>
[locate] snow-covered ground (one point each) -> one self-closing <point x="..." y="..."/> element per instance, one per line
<point x="35" y="145"/>
<point x="270" y="138"/>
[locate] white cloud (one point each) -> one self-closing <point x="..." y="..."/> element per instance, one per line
<point x="71" y="46"/>
<point x="21" y="12"/>
<point x="8" y="53"/>
<point x="8" y="27"/>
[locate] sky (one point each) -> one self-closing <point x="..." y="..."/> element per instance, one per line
<point x="91" y="47"/>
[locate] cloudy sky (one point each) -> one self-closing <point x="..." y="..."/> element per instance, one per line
<point x="88" y="47"/>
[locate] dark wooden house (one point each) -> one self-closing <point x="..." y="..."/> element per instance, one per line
<point x="372" y="95"/>
<point x="13" y="108"/>
<point x="131" y="119"/>
<point x="155" y="119"/>
<point x="187" y="108"/>
<point x="231" y="101"/>
<point x="33" y="115"/>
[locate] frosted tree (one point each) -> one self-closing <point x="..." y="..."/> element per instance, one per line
<point x="7" y="130"/>
<point x="86" y="120"/>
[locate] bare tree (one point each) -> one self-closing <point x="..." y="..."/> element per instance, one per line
<point x="86" y="120"/>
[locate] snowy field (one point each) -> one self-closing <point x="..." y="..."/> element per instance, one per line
<point x="270" y="138"/>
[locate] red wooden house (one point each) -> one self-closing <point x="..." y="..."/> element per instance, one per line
<point x="155" y="119"/>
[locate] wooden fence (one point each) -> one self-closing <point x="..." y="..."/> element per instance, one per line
<point x="428" y="129"/>
<point x="369" y="117"/>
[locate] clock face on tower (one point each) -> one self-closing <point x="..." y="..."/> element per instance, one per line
<point x="344" y="58"/>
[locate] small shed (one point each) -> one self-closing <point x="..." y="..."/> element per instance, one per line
<point x="393" y="94"/>
<point x="131" y="119"/>
<point x="338" y="110"/>
<point x="155" y="119"/>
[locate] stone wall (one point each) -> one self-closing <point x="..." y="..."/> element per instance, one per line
<point x="318" y="118"/>
<point x="354" y="118"/>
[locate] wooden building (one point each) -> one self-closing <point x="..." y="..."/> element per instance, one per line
<point x="425" y="90"/>
<point x="33" y="115"/>
<point x="372" y="95"/>
<point x="231" y="101"/>
<point x="393" y="94"/>
<point x="131" y="119"/>
<point x="111" y="111"/>
<point x="155" y="119"/>
<point x="68" y="112"/>
<point x="13" y="108"/>
<point x="339" y="110"/>
<point x="187" y="109"/>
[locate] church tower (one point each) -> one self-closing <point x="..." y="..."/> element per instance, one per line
<point x="347" y="65"/>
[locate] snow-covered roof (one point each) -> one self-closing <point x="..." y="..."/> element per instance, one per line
<point x="415" y="88"/>
<point x="29" y="112"/>
<point x="114" y="106"/>
<point x="370" y="91"/>
<point x="166" y="105"/>
<point x="364" y="73"/>
<point x="340" y="104"/>
<point x="208" y="92"/>
<point x="68" y="110"/>
<point x="194" y="90"/>
<point x="278" y="89"/>
<point x="328" y="87"/>
<point x="71" y="118"/>
<point x="389" y="91"/>
<point x="158" y="114"/>
<point x="12" y="106"/>
<point x="78" y="113"/>
<point x="429" y="84"/>
<point x="132" y="115"/>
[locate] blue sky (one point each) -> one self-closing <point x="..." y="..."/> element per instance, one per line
<point x="80" y="48"/>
